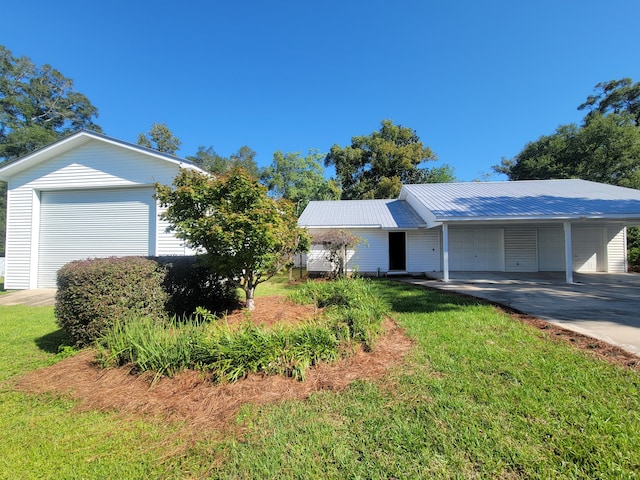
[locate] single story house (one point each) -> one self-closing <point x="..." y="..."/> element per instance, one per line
<point x="521" y="226"/>
<point x="85" y="196"/>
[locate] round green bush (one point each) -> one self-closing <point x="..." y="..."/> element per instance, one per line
<point x="92" y="294"/>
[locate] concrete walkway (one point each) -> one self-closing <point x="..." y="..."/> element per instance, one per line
<point x="600" y="305"/>
<point x="35" y="297"/>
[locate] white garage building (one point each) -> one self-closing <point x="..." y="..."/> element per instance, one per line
<point x="85" y="196"/>
<point x="524" y="226"/>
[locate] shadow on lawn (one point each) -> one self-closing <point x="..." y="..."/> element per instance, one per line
<point x="53" y="342"/>
<point x="406" y="298"/>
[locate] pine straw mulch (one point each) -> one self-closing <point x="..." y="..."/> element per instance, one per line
<point x="191" y="398"/>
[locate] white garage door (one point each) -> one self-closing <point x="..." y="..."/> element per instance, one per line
<point x="589" y="252"/>
<point x="79" y="224"/>
<point x="476" y="249"/>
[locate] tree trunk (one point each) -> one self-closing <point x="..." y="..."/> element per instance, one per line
<point x="249" y="295"/>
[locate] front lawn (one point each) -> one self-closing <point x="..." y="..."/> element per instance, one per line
<point x="481" y="395"/>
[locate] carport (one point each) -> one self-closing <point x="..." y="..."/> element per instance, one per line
<point x="528" y="226"/>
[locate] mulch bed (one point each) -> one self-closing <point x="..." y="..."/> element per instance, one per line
<point x="191" y="398"/>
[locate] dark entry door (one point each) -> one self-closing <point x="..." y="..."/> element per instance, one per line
<point x="397" y="251"/>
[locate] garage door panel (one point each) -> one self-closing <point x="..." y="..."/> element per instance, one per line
<point x="92" y="223"/>
<point x="476" y="249"/>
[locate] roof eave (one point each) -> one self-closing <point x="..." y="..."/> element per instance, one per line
<point x="76" y="140"/>
<point x="538" y="218"/>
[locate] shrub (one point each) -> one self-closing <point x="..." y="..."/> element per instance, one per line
<point x="353" y="314"/>
<point x="190" y="284"/>
<point x="92" y="294"/>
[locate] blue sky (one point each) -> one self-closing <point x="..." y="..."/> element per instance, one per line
<point x="477" y="80"/>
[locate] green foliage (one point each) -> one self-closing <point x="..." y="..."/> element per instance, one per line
<point x="231" y="354"/>
<point x="354" y="315"/>
<point x="209" y="160"/>
<point x="615" y="96"/>
<point x="605" y="148"/>
<point x="248" y="236"/>
<point x="336" y="243"/>
<point x="299" y="179"/>
<point x="191" y="284"/>
<point x="92" y="294"/>
<point x="164" y="348"/>
<point x="376" y="165"/>
<point x="38" y="106"/>
<point x="160" y="138"/>
<point x="353" y="310"/>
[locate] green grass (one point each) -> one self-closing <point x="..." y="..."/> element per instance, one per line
<point x="480" y="396"/>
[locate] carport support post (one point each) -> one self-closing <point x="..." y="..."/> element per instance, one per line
<point x="568" y="254"/>
<point x="445" y="252"/>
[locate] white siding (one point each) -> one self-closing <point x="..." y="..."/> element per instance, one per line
<point x="520" y="249"/>
<point x="423" y="251"/>
<point x="617" y="249"/>
<point x="317" y="260"/>
<point x="589" y="249"/>
<point x="95" y="164"/>
<point x="551" y="249"/>
<point x="372" y="255"/>
<point x="18" y="239"/>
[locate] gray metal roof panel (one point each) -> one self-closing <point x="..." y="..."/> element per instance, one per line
<point x="364" y="213"/>
<point x="527" y="198"/>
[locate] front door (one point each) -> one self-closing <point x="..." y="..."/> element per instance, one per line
<point x="397" y="251"/>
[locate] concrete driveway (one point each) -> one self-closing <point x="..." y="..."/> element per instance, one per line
<point x="35" y="297"/>
<point x="601" y="305"/>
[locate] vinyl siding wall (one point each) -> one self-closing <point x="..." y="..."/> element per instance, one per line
<point x="371" y="256"/>
<point x="93" y="165"/>
<point x="617" y="249"/>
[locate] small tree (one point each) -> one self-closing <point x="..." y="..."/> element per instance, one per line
<point x="248" y="236"/>
<point x="336" y="243"/>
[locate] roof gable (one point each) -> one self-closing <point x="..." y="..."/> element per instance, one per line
<point x="74" y="141"/>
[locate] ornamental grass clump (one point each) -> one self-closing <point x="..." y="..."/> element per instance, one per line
<point x="231" y="354"/>
<point x="161" y="347"/>
<point x="352" y="316"/>
<point x="351" y="308"/>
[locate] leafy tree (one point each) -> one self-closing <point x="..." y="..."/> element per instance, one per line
<point x="615" y="96"/>
<point x="208" y="159"/>
<point x="605" y="148"/>
<point x="336" y="244"/>
<point x="376" y="165"/>
<point x="38" y="105"/>
<point x="160" y="138"/>
<point x="247" y="235"/>
<point x="299" y="179"/>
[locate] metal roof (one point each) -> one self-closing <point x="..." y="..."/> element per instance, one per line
<point x="386" y="214"/>
<point x="525" y="199"/>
